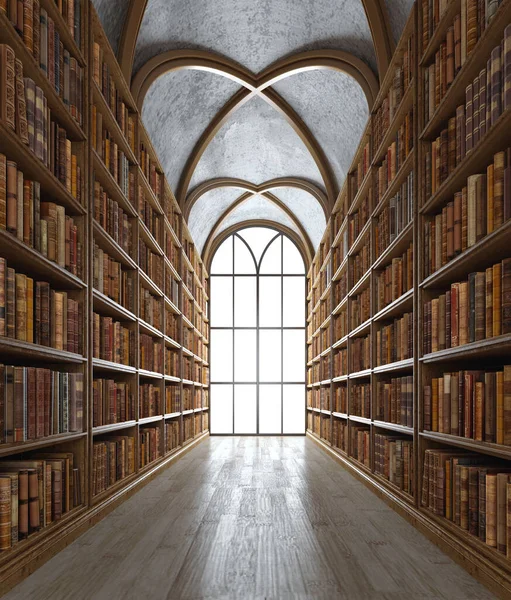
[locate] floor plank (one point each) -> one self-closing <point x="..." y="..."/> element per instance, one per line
<point x="252" y="518"/>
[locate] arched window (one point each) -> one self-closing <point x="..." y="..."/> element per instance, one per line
<point x="258" y="319"/>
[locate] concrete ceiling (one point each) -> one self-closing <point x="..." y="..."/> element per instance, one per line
<point x="306" y="124"/>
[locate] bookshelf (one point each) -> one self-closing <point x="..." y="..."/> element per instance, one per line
<point x="126" y="286"/>
<point x="386" y="414"/>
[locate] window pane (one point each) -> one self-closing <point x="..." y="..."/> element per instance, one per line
<point x="257" y="238"/>
<point x="272" y="259"/>
<point x="243" y="261"/>
<point x="270" y="301"/>
<point x="221" y="301"/>
<point x="269" y="355"/>
<point x="294" y="301"/>
<point x="294" y="355"/>
<point x="245" y="357"/>
<point x="293" y="261"/>
<point x="245" y="409"/>
<point x="294" y="409"/>
<point x="245" y="301"/>
<point x="222" y="261"/>
<point x="221" y="409"/>
<point x="221" y="355"/>
<point x="270" y="409"/>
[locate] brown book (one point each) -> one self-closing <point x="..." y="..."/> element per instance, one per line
<point x="463" y="313"/>
<point x="12" y="197"/>
<point x="498" y="188"/>
<point x="491" y="510"/>
<point x="480" y="306"/>
<point x="497" y="300"/>
<point x="5" y="513"/>
<point x="7" y="86"/>
<point x="21" y="307"/>
<point x="503" y="479"/>
<point x="506" y="296"/>
<point x="21" y="108"/>
<point x="454" y="314"/>
<point x="506" y="410"/>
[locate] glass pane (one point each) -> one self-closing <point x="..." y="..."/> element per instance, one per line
<point x="245" y="357"/>
<point x="294" y="355"/>
<point x="221" y="355"/>
<point x="270" y="301"/>
<point x="270" y="409"/>
<point x="245" y="409"/>
<point x="257" y="238"/>
<point x="245" y="301"/>
<point x="222" y="261"/>
<point x="221" y="301"/>
<point x="294" y="409"/>
<point x="294" y="301"/>
<point x="269" y="355"/>
<point x="243" y="261"/>
<point x="293" y="261"/>
<point x="272" y="259"/>
<point x="221" y="409"/>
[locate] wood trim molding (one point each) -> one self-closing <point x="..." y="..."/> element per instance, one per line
<point x="256" y="85"/>
<point x="129" y="36"/>
<point x="383" y="42"/>
<point x="207" y="258"/>
<point x="292" y="182"/>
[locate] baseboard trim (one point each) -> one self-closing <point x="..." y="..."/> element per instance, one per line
<point x="480" y="567"/>
<point x="32" y="557"/>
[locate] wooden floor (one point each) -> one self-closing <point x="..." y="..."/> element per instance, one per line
<point x="252" y="518"/>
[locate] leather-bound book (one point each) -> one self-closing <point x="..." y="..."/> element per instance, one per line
<point x="21" y="307"/>
<point x="5" y="512"/>
<point x="473" y="500"/>
<point x="463" y="313"/>
<point x="471" y="307"/>
<point x="503" y="480"/>
<point x="469" y="108"/>
<point x="490" y="385"/>
<point x="491" y="510"/>
<point x="480" y="306"/>
<point x="498" y="188"/>
<point x="506" y="295"/>
<point x="28" y="29"/>
<point x="21" y="107"/>
<point x="8" y="86"/>
<point x="496" y="84"/>
<point x="497" y="299"/>
<point x="482" y="103"/>
<point x="489" y="302"/>
<point x="506" y="427"/>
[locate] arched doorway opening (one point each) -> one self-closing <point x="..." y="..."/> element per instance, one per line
<point x="258" y="328"/>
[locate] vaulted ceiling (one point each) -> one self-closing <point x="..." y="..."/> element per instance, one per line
<point x="255" y="107"/>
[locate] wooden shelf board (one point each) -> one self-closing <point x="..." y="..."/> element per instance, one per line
<point x="405" y="496"/>
<point x="361" y="284"/>
<point x="149" y="239"/>
<point x="150" y="195"/>
<point x="172" y="379"/>
<point x="339" y="415"/>
<point x="172" y="415"/>
<point x="18" y="349"/>
<point x="108" y="183"/>
<point x="363" y="420"/>
<point x="101" y="429"/>
<point x="362" y="192"/>
<point x="393" y="427"/>
<point x="401" y="365"/>
<point x="396" y="183"/>
<point x="148" y="283"/>
<point x="397" y="307"/>
<point x="110" y="308"/>
<point x="108" y="244"/>
<point x="150" y="374"/>
<point x="361" y="238"/>
<point x="172" y="306"/>
<point x="59" y="438"/>
<point x="114" y="488"/>
<point x="99" y="364"/>
<point x="446" y="20"/>
<point x="395" y="248"/>
<point x="497" y="450"/>
<point x="340" y="343"/>
<point x="361" y="329"/>
<point x="146" y="420"/>
<point x="340" y="379"/>
<point x="495" y="346"/>
<point x="149" y="329"/>
<point x="360" y="374"/>
<point x="170" y="342"/>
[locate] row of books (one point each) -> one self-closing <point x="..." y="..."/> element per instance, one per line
<point x="172" y="399"/>
<point x="471" y="491"/>
<point x="172" y="325"/>
<point x="150" y="400"/>
<point x="112" y="341"/>
<point x="155" y="180"/>
<point x="394" y="342"/>
<point x="340" y="399"/>
<point x="151" y="309"/>
<point x="360" y="400"/>
<point x="340" y="250"/>
<point x="150" y="263"/>
<point x="37" y="402"/>
<point x="35" y="492"/>
<point x="113" y="402"/>
<point x="172" y="440"/>
<point x="36" y="313"/>
<point x="360" y="438"/>
<point x="113" y="219"/>
<point x="395" y="216"/>
<point x="395" y="279"/>
<point x="359" y="218"/>
<point x="113" y="459"/>
<point x="151" y="354"/>
<point x="341" y="362"/>
<point x="357" y="176"/>
<point x="188" y="428"/>
<point x="397" y="153"/>
<point x="149" y="444"/>
<point x="361" y="262"/>
<point x="43" y="226"/>
<point x="361" y="308"/>
<point x="469" y="24"/>
<point x="473" y="404"/>
<point x="152" y="218"/>
<point x="361" y="354"/>
<point x="394" y="401"/>
<point x="472" y="310"/>
<point x="480" y="208"/>
<point x="393" y="460"/>
<point x="109" y="278"/>
<point x="340" y="287"/>
<point x="340" y="325"/>
<point x="172" y="288"/>
<point x="113" y="97"/>
<point x="172" y="362"/>
<point x="171" y="251"/>
<point x="340" y="437"/>
<point x="403" y="75"/>
<point x="112" y="156"/>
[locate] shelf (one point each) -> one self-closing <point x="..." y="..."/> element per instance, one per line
<point x="340" y="268"/>
<point x="340" y="343"/>
<point x="172" y="378"/>
<point x="110" y="308"/>
<point x="474" y="162"/>
<point x="361" y="284"/>
<point x="361" y="238"/>
<point x="446" y="20"/>
<point x="151" y="196"/>
<point x="476" y="61"/>
<point x="340" y="379"/>
<point x="148" y="283"/>
<point x="170" y="342"/>
<point x="340" y="232"/>
<point x="340" y="306"/>
<point x="150" y="374"/>
<point x="187" y="382"/>
<point x="396" y="183"/>
<point x="396" y="307"/>
<point x="326" y="412"/>
<point x="483" y="447"/>
<point x="172" y="268"/>
<point x="59" y="438"/>
<point x="33" y="168"/>
<point x="360" y="374"/>
<point x="495" y="346"/>
<point x="112" y="427"/>
<point x="479" y="256"/>
<point x="395" y="248"/>
<point x="188" y="412"/>
<point x="109" y="184"/>
<point x="111" y="247"/>
<point x="26" y="259"/>
<point x="393" y="427"/>
<point x="363" y="420"/>
<point x="110" y="123"/>
<point x="404" y="107"/>
<point x="172" y="306"/>
<point x="362" y="191"/>
<point x="12" y="348"/>
<point x="149" y="329"/>
<point x="149" y="239"/>
<point x="114" y="488"/>
<point x="146" y="420"/>
<point x="361" y="329"/>
<point x="394" y="489"/>
<point x="105" y="365"/>
<point x="59" y="111"/>
<point x="340" y="415"/>
<point x="401" y="365"/>
<point x="172" y="415"/>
